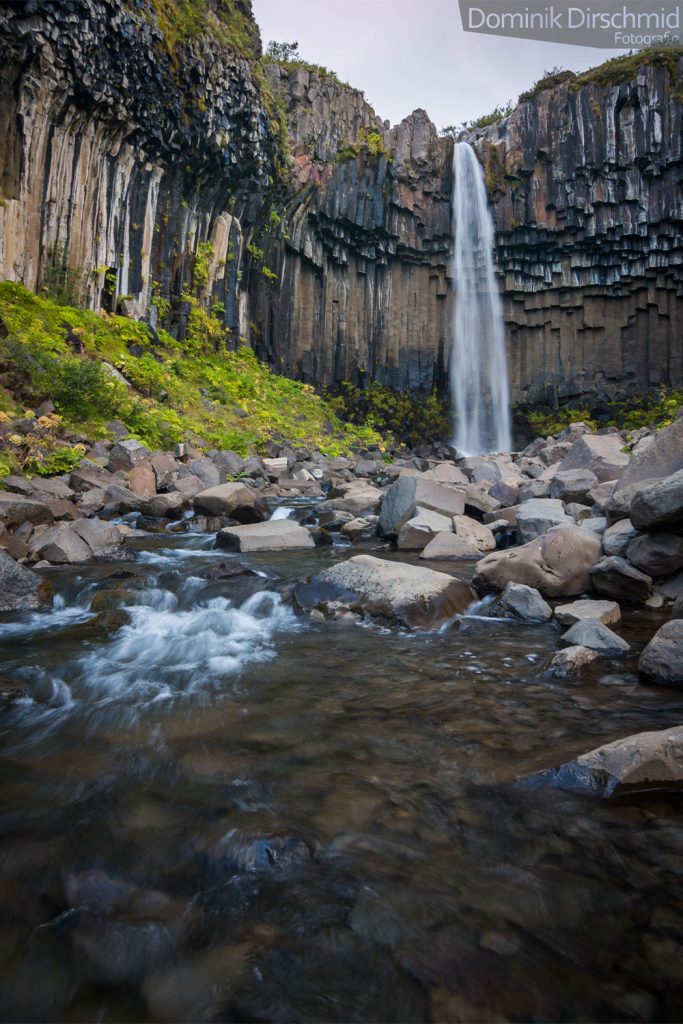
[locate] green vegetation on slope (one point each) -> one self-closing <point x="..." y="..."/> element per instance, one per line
<point x="230" y="22"/>
<point x="287" y="56"/>
<point x="650" y="410"/>
<point x="615" y="71"/>
<point x="171" y="391"/>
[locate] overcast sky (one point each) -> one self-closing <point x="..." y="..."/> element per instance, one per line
<point x="413" y="53"/>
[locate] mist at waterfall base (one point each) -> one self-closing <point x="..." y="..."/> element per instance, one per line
<point x="479" y="376"/>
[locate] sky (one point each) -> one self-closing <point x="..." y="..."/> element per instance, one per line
<point x="406" y="54"/>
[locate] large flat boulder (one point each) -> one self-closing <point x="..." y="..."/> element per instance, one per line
<point x="232" y="499"/>
<point x="538" y="515"/>
<point x="607" y="612"/>
<point x="614" y="577"/>
<point x="408" y="594"/>
<point x="273" y="535"/>
<point x="556" y="563"/>
<point x="20" y="589"/>
<point x="403" y="497"/>
<point x="127" y="454"/>
<point x="98" y="535"/>
<point x="659" y="505"/>
<point x="662" y="659"/>
<point x="640" y="763"/>
<point x="599" y="453"/>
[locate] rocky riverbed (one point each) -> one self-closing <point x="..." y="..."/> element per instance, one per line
<point x="313" y="738"/>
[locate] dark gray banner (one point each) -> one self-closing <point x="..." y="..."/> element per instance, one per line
<point x="608" y="24"/>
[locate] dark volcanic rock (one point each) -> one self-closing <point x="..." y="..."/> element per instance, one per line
<point x="640" y="763"/>
<point x="615" y="578"/>
<point x="662" y="659"/>
<point x="19" y="587"/>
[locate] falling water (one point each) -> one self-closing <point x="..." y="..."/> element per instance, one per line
<point x="479" y="377"/>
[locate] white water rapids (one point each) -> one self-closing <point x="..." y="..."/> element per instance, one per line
<point x="479" y="377"/>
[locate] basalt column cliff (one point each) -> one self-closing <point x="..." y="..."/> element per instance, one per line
<point x="149" y="160"/>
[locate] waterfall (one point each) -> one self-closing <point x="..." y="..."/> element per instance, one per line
<point x="479" y="378"/>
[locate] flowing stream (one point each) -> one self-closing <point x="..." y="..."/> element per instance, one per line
<point x="479" y="375"/>
<point x="215" y="809"/>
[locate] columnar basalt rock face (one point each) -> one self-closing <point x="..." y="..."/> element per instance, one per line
<point x="362" y="254"/>
<point x="122" y="154"/>
<point x="589" y="216"/>
<point x="124" y="150"/>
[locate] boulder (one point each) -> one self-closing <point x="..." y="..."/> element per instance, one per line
<point x="643" y="762"/>
<point x="189" y="485"/>
<point x="206" y="471"/>
<point x="16" y="509"/>
<point x="539" y="515"/>
<point x="89" y="475"/>
<point x="473" y="533"/>
<point x="445" y="473"/>
<point x="677" y="609"/>
<point x="657" y="554"/>
<point x="556" y="564"/>
<point x="358" y="498"/>
<point x="409" y="492"/>
<point x="615" y="578"/>
<point x="534" y="489"/>
<point x="50" y="488"/>
<point x="408" y="594"/>
<point x="142" y="481"/>
<point x="659" y="506"/>
<point x="273" y="535"/>
<point x="595" y="636"/>
<point x="421" y="529"/>
<point x="505" y="492"/>
<point x="662" y="457"/>
<point x="618" y="504"/>
<point x="126" y="454"/>
<point x="169" y="506"/>
<point x="616" y="538"/>
<point x="598" y="524"/>
<point x="478" y="499"/>
<point x="662" y="659"/>
<point x="229" y="463"/>
<point x="98" y="535"/>
<point x="449" y="547"/>
<point x="607" y="612"/>
<point x="359" y="528"/>
<point x="233" y="499"/>
<point x="553" y="454"/>
<point x="21" y="589"/>
<point x="571" y="661"/>
<point x="165" y="467"/>
<point x="524" y="603"/>
<point x="573" y="484"/>
<point x="60" y="545"/>
<point x="599" y="453"/>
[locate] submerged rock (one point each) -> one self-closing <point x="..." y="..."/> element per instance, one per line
<point x="411" y="595"/>
<point x="20" y="589"/>
<point x="640" y="763"/>
<point x="662" y="659"/>
<point x="571" y="661"/>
